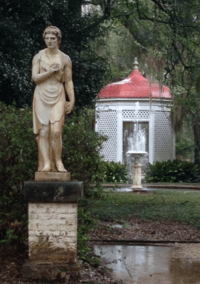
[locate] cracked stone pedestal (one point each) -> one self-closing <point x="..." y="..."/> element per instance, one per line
<point x="52" y="226"/>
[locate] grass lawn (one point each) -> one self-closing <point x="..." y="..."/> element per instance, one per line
<point x="182" y="206"/>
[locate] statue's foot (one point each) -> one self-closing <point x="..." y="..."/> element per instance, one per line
<point x="47" y="168"/>
<point x="60" y="167"/>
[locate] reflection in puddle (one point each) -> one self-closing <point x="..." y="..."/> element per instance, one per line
<point x="149" y="264"/>
<point x="132" y="262"/>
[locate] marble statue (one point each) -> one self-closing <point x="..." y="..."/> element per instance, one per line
<point x="52" y="74"/>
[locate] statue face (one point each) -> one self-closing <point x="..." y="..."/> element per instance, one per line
<point x="51" y="41"/>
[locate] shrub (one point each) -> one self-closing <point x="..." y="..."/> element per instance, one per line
<point x="85" y="225"/>
<point x="81" y="149"/>
<point x="113" y="172"/>
<point x="18" y="161"/>
<point x="172" y="171"/>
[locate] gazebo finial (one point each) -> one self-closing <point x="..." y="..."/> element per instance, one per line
<point x="135" y="64"/>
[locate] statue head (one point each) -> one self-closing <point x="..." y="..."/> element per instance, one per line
<point x="53" y="30"/>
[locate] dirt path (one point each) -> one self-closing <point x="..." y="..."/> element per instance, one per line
<point x="148" y="230"/>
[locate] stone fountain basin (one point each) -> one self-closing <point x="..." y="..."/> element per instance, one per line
<point x="136" y="153"/>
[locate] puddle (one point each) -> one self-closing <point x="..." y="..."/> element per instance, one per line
<point x="150" y="264"/>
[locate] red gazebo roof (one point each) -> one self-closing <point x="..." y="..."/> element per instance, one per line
<point x="135" y="86"/>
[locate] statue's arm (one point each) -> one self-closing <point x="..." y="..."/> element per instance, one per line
<point x="69" y="86"/>
<point x="38" y="77"/>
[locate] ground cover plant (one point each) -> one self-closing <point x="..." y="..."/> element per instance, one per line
<point x="181" y="206"/>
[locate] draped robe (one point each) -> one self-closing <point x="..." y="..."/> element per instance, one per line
<point x="49" y="96"/>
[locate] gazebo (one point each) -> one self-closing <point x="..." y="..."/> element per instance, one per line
<point x="135" y="100"/>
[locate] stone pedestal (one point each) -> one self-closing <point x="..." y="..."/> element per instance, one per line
<point x="137" y="166"/>
<point x="52" y="229"/>
<point x="52" y="176"/>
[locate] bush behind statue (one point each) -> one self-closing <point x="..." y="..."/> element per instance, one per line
<point x="172" y="171"/>
<point x="18" y="162"/>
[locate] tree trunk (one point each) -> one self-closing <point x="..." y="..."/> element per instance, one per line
<point x="196" y="131"/>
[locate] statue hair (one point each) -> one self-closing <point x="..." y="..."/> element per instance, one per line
<point x="54" y="30"/>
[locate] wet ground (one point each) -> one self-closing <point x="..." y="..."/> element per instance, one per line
<point x="172" y="264"/>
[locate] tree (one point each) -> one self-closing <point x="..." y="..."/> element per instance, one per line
<point x="118" y="48"/>
<point x="21" y="27"/>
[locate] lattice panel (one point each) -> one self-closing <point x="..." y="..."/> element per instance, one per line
<point x="107" y="125"/>
<point x="163" y="138"/>
<point x="132" y="114"/>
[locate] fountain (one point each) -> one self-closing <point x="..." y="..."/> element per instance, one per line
<point x="136" y="150"/>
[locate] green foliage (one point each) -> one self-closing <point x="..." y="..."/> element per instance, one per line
<point x="185" y="143"/>
<point x="113" y="172"/>
<point x="17" y="163"/>
<point x="172" y="171"/>
<point x="119" y="49"/>
<point x="85" y="225"/>
<point x="81" y="148"/>
<point x="10" y="235"/>
<point x="17" y="148"/>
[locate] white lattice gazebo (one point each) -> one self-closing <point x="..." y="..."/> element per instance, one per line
<point x="122" y="104"/>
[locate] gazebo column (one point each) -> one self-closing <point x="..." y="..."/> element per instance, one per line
<point x="119" y="135"/>
<point x="151" y="135"/>
<point x="174" y="147"/>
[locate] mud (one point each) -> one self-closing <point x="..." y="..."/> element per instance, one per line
<point x="45" y="252"/>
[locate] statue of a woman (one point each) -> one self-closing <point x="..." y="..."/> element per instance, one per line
<point x="52" y="74"/>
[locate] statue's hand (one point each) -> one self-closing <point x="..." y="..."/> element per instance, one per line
<point x="68" y="107"/>
<point x="54" y="67"/>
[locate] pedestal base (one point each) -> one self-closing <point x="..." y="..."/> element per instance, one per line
<point x="52" y="176"/>
<point x="52" y="229"/>
<point x="50" y="272"/>
<point x="136" y="187"/>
